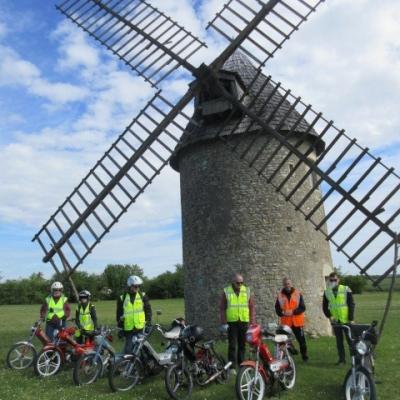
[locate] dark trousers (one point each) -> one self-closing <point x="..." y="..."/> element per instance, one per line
<point x="129" y="337"/>
<point x="237" y="342"/>
<point x="339" y="334"/>
<point x="299" y="333"/>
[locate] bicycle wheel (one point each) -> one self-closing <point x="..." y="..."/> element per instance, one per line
<point x="21" y="356"/>
<point x="178" y="382"/>
<point x="48" y="363"/>
<point x="249" y="385"/>
<point x="125" y="374"/>
<point x="87" y="369"/>
<point x="288" y="378"/>
<point x="363" y="386"/>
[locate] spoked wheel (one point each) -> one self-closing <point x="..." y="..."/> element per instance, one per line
<point x="48" y="363"/>
<point x="178" y="382"/>
<point x="288" y="378"/>
<point x="125" y="374"/>
<point x="249" y="384"/>
<point x="87" y="369"/>
<point x="21" y="356"/>
<point x="363" y="386"/>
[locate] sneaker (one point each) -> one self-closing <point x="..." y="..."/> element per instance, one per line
<point x="232" y="371"/>
<point x="341" y="362"/>
<point x="304" y="357"/>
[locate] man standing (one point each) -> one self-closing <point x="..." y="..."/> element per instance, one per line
<point x="133" y="311"/>
<point x="237" y="310"/>
<point x="290" y="308"/>
<point x="55" y="309"/>
<point x="338" y="306"/>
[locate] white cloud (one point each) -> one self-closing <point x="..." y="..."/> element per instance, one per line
<point x="15" y="71"/>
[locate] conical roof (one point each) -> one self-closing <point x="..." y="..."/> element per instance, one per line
<point x="246" y="73"/>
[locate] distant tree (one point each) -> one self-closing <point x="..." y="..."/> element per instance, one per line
<point x="116" y="275"/>
<point x="166" y="285"/>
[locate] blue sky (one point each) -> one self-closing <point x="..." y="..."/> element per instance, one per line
<point x="63" y="99"/>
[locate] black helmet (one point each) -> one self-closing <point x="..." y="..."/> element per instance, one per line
<point x="284" y="330"/>
<point x="193" y="333"/>
<point x="180" y="322"/>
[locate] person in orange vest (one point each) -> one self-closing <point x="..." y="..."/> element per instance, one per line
<point x="290" y="308"/>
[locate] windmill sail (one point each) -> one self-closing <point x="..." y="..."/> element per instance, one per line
<point x="114" y="183"/>
<point x="146" y="39"/>
<point x="260" y="28"/>
<point x="361" y="195"/>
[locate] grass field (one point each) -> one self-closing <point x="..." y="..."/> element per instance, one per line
<point x="318" y="379"/>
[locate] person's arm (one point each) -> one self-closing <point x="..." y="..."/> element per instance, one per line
<point x="147" y="309"/>
<point x="222" y="309"/>
<point x="77" y="319"/>
<point x="43" y="310"/>
<point x="278" y="308"/>
<point x="67" y="311"/>
<point x="120" y="312"/>
<point x="301" y="308"/>
<point x="325" y="307"/>
<point x="350" y="304"/>
<point x="93" y="315"/>
<point x="252" y="309"/>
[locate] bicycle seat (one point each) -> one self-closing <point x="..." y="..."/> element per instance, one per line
<point x="173" y="333"/>
<point x="280" y="338"/>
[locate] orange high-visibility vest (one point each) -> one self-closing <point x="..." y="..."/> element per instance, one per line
<point x="286" y="305"/>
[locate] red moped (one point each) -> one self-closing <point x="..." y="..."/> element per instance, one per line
<point x="61" y="351"/>
<point x="267" y="371"/>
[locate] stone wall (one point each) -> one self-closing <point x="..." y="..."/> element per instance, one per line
<point x="234" y="221"/>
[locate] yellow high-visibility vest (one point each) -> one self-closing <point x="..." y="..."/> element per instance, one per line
<point x="134" y="317"/>
<point x="57" y="307"/>
<point x="85" y="319"/>
<point x="237" y="304"/>
<point x="338" y="304"/>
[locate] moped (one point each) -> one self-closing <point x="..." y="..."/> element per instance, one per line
<point x="271" y="371"/>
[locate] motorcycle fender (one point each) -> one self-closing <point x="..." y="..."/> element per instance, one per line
<point x="51" y="346"/>
<point x="25" y="343"/>
<point x="261" y="370"/>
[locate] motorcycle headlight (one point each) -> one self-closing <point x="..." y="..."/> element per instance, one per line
<point x="361" y="347"/>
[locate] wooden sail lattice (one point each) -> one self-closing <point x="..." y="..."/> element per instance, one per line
<point x="360" y="194"/>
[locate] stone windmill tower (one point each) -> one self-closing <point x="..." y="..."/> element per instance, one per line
<point x="232" y="220"/>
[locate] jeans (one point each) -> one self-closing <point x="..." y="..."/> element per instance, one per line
<point x="51" y="327"/>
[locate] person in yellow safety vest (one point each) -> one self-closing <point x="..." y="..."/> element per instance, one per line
<point x="55" y="309"/>
<point x="236" y="311"/>
<point x="290" y="307"/>
<point x="133" y="311"/>
<point x="85" y="316"/>
<point x="338" y="305"/>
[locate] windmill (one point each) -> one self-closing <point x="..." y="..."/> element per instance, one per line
<point x="287" y="134"/>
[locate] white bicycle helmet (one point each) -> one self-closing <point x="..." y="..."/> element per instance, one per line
<point x="134" y="280"/>
<point x="56" y="286"/>
<point x="85" y="294"/>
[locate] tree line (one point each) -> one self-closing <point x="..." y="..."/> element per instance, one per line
<point x="107" y="285"/>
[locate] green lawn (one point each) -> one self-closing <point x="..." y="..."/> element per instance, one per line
<point x="318" y="379"/>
